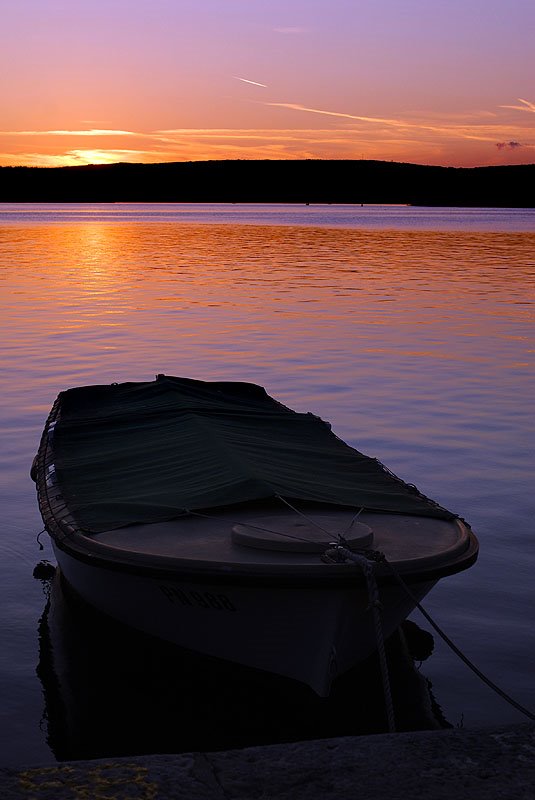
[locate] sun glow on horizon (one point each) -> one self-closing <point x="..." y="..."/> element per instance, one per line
<point x="97" y="157"/>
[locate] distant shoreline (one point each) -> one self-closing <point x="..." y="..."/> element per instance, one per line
<point x="240" y="181"/>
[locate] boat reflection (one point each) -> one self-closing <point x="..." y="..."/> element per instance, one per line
<point x="110" y="691"/>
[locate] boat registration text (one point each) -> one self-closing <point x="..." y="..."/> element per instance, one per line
<point x="191" y="597"/>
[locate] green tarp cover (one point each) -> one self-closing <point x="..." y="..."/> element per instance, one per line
<point x="147" y="452"/>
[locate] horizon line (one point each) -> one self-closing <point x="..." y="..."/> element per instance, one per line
<point x="257" y="160"/>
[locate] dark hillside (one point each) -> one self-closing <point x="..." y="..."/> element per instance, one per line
<point x="273" y="182"/>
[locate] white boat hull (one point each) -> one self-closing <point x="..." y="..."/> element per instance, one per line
<point x="309" y="634"/>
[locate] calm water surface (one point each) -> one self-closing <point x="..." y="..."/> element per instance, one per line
<point x="410" y="330"/>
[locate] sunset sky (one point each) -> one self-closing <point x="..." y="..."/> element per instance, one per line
<point x="424" y="81"/>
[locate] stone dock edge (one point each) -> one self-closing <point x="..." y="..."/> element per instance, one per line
<point x="477" y="764"/>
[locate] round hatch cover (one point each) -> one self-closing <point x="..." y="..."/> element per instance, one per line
<point x="298" y="535"/>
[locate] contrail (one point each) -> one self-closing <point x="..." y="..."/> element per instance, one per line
<point x="254" y="83"/>
<point x="527" y="106"/>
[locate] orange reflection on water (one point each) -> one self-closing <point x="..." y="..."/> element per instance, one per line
<point x="256" y="292"/>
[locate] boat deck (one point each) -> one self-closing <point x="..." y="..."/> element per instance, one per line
<point x="409" y="542"/>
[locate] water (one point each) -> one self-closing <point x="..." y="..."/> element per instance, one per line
<point x="410" y="330"/>
<point x="346" y="216"/>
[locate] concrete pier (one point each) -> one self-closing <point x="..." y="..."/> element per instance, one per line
<point x="485" y="764"/>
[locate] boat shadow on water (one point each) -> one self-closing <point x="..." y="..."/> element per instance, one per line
<point x="112" y="691"/>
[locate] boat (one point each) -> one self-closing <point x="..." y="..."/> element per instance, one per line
<point x="212" y="516"/>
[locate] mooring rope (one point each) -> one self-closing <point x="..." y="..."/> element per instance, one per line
<point x="378" y="557"/>
<point x="367" y="566"/>
<point x="458" y="652"/>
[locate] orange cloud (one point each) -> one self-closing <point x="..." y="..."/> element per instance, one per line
<point x="90" y="132"/>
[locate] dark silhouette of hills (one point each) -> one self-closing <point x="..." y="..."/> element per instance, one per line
<point x="307" y="181"/>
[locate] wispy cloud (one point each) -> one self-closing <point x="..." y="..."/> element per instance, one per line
<point x="477" y="130"/>
<point x="84" y="132"/>
<point x="254" y="83"/>
<point x="526" y="106"/>
<point x="299" y="107"/>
